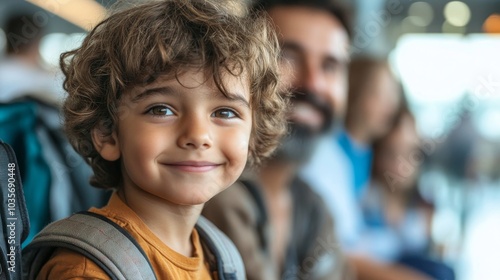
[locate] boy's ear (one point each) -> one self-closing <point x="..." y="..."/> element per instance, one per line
<point x="106" y="144"/>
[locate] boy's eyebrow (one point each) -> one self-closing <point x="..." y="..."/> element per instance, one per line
<point x="169" y="91"/>
<point x="237" y="98"/>
<point x="154" y="91"/>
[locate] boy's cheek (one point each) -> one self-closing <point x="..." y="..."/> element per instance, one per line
<point x="236" y="140"/>
<point x="243" y="145"/>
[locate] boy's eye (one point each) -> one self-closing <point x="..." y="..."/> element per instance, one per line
<point x="160" y="111"/>
<point x="224" y="114"/>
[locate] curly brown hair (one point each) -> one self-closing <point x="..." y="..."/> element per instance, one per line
<point x="136" y="45"/>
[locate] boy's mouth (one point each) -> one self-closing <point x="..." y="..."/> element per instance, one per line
<point x="193" y="166"/>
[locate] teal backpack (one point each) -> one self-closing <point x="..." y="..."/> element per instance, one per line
<point x="55" y="177"/>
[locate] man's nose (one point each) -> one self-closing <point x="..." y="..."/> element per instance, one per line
<point x="312" y="79"/>
<point x="195" y="133"/>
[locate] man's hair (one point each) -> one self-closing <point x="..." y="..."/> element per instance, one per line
<point x="336" y="8"/>
<point x="135" y="46"/>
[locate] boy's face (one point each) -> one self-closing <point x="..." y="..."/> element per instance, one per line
<point x="182" y="141"/>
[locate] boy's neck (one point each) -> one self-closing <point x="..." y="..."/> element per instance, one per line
<point x="173" y="224"/>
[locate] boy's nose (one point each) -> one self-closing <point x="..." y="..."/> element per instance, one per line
<point x="195" y="134"/>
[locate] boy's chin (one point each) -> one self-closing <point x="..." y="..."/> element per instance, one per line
<point x="196" y="199"/>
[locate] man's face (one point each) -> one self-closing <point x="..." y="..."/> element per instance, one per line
<point x="314" y="65"/>
<point x="315" y="56"/>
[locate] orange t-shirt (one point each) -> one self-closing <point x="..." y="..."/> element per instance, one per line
<point x="167" y="263"/>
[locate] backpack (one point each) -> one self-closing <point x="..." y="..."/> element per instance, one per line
<point x="115" y="250"/>
<point x="110" y="247"/>
<point x="55" y="177"/>
<point x="14" y="216"/>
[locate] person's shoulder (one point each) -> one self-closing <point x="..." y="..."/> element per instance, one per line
<point x="304" y="191"/>
<point x="235" y="196"/>
<point x="66" y="264"/>
<point x="310" y="202"/>
<point x="234" y="202"/>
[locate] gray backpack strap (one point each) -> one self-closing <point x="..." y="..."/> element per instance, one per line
<point x="94" y="236"/>
<point x="14" y="218"/>
<point x="229" y="263"/>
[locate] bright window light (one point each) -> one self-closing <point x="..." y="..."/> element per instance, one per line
<point x="487" y="122"/>
<point x="439" y="70"/>
<point x="432" y="67"/>
<point x="482" y="245"/>
<point x="52" y="45"/>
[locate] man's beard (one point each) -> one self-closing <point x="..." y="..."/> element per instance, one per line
<point x="298" y="145"/>
<point x="300" y="142"/>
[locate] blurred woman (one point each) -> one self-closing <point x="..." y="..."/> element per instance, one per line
<point x="397" y="219"/>
<point x="392" y="209"/>
<point x="373" y="101"/>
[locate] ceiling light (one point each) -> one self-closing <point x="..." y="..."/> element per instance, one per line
<point x="492" y="24"/>
<point x="422" y="13"/>
<point x="83" y="13"/>
<point x="457" y="13"/>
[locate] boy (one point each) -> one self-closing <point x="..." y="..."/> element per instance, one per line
<point x="167" y="100"/>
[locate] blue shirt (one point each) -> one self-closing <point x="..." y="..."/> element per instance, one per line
<point x="361" y="159"/>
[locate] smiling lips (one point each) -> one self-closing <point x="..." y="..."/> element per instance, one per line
<point x="193" y="166"/>
<point x="307" y="114"/>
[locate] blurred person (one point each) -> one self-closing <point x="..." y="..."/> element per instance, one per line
<point x="281" y="227"/>
<point x="55" y="179"/>
<point x="340" y="169"/>
<point x="392" y="202"/>
<point x="21" y="71"/>
<point x="397" y="218"/>
<point x="371" y="105"/>
<point x="373" y="101"/>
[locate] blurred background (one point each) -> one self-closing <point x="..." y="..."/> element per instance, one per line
<point x="447" y="57"/>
